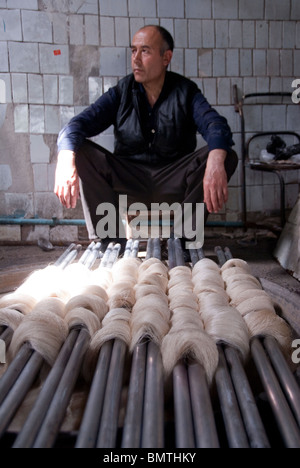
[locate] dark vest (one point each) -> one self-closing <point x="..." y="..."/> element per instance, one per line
<point x="175" y="128"/>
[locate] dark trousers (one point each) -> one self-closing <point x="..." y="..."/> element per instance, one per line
<point x="104" y="177"/>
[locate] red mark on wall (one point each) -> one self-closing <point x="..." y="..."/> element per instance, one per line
<point x="57" y="52"/>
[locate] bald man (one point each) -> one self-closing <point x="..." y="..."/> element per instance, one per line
<point x="156" y="115"/>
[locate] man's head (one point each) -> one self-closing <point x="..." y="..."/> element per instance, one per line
<point x="152" y="51"/>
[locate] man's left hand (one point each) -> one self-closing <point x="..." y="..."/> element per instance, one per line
<point x="215" y="181"/>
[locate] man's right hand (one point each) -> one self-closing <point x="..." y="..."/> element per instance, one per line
<point x="66" y="179"/>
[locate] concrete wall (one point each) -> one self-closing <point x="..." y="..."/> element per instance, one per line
<point x="58" y="56"/>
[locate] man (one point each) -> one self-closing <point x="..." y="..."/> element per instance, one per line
<point x="156" y="115"/>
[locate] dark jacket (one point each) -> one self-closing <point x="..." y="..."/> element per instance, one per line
<point x="170" y="133"/>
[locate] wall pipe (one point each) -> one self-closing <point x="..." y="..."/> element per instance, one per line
<point x="81" y="222"/>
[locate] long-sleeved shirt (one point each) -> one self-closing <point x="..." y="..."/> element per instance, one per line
<point x="102" y="114"/>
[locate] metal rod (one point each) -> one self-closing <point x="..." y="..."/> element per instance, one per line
<point x="110" y="414"/>
<point x="106" y="255"/>
<point x="153" y="417"/>
<point x="201" y="254"/>
<point x="183" y="410"/>
<point x="134" y="413"/>
<point x="114" y="256"/>
<point x="206" y="435"/>
<point x="156" y="249"/>
<point x="93" y="256"/>
<point x="135" y="249"/>
<point x="128" y="248"/>
<point x="54" y="418"/>
<point x="89" y="427"/>
<point x="29" y="431"/>
<point x="228" y="254"/>
<point x="221" y="255"/>
<point x="235" y="430"/>
<point x="171" y="254"/>
<point x="149" y="249"/>
<point x="14" y="370"/>
<point x="60" y="260"/>
<point x="284" y="374"/>
<point x="252" y="420"/>
<point x="17" y="394"/>
<point x="86" y="253"/>
<point x="179" y="253"/>
<point x="285" y="420"/>
<point x="194" y="256"/>
<point x="70" y="257"/>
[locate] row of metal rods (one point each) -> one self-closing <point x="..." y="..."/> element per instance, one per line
<point x="282" y="409"/>
<point x="194" y="418"/>
<point x="22" y="372"/>
<point x="99" y="425"/>
<point x="144" y="419"/>
<point x="43" y="425"/>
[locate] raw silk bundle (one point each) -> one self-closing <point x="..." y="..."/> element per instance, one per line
<point x="186" y="338"/>
<point x="44" y="329"/>
<point x="254" y="304"/>
<point x="221" y="321"/>
<point x="150" y="314"/>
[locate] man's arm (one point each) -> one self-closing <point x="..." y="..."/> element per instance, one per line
<point x="215" y="181"/>
<point x="215" y="130"/>
<point x="92" y="121"/>
<point x="66" y="179"/>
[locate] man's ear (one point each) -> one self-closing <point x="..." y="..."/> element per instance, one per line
<point x="168" y="57"/>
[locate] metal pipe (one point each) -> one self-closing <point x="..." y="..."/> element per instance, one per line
<point x="81" y="222"/>
<point x="183" y="410"/>
<point x="171" y="254"/>
<point x="149" y="249"/>
<point x="252" y="420"/>
<point x="134" y="413"/>
<point x="179" y="253"/>
<point x="206" y="435"/>
<point x="156" y="249"/>
<point x="220" y="255"/>
<point x="201" y="254"/>
<point x="14" y="370"/>
<point x="153" y="416"/>
<point x="110" y="414"/>
<point x="285" y="420"/>
<point x="235" y="430"/>
<point x="284" y="374"/>
<point x="70" y="257"/>
<point x="106" y="255"/>
<point x="135" y="249"/>
<point x="60" y="260"/>
<point x="29" y="431"/>
<point x="17" y="394"/>
<point x="194" y="256"/>
<point x="114" y="256"/>
<point x="42" y="221"/>
<point x="128" y="248"/>
<point x="54" y="418"/>
<point x="89" y="427"/>
<point x="86" y="253"/>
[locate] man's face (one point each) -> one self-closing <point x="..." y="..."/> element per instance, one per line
<point x="148" y="65"/>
